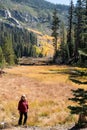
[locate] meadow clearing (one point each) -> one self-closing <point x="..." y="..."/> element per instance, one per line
<point x="47" y="89"/>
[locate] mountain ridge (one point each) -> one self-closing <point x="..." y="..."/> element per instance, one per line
<point x="33" y="14"/>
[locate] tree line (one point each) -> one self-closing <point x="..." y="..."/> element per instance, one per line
<point x="14" y="43"/>
<point x="41" y="4"/>
<point x="72" y="49"/>
<point x="73" y="46"/>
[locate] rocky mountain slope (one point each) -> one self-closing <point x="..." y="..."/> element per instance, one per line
<point x="36" y="14"/>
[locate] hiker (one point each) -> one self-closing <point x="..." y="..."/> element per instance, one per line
<point x="23" y="110"/>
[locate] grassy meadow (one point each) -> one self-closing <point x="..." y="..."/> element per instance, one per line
<point x="47" y="89"/>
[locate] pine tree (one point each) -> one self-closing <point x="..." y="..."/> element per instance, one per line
<point x="84" y="5"/>
<point x="80" y="108"/>
<point x="2" y="59"/>
<point x="70" y="32"/>
<point x="78" y="28"/>
<point x="33" y="38"/>
<point x="83" y="55"/>
<point x="63" y="46"/>
<point x="55" y="33"/>
<point x="81" y="31"/>
<point x="8" y="51"/>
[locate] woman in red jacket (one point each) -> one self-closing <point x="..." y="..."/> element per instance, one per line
<point x="23" y="110"/>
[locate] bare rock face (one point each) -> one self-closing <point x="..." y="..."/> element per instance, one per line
<point x="16" y="17"/>
<point x="5" y="13"/>
<point x="2" y="12"/>
<point x="36" y="14"/>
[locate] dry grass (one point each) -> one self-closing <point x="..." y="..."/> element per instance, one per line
<point x="47" y="92"/>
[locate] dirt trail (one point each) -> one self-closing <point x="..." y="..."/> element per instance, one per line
<point x="41" y="128"/>
<point x="47" y="128"/>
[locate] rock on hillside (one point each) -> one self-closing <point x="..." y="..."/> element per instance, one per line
<point x="36" y="14"/>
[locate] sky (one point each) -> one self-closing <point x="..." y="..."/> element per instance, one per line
<point x="66" y="2"/>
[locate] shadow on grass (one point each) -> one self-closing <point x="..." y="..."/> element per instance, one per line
<point x="74" y="128"/>
<point x="75" y="75"/>
<point x="78" y="81"/>
<point x="78" y="75"/>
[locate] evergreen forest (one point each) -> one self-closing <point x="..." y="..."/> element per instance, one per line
<point x="15" y="43"/>
<point x="73" y="45"/>
<point x="69" y="41"/>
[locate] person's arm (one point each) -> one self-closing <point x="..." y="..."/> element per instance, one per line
<point x="19" y="106"/>
<point x="27" y="106"/>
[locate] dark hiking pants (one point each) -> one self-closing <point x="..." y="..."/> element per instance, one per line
<point x="22" y="114"/>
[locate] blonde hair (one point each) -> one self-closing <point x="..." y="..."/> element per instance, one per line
<point x="23" y="97"/>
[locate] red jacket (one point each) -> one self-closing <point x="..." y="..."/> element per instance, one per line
<point x="23" y="106"/>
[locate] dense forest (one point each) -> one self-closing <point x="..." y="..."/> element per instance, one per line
<point x="73" y="46"/>
<point x="15" y="43"/>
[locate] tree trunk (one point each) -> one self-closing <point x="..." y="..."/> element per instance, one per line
<point x="82" y="118"/>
